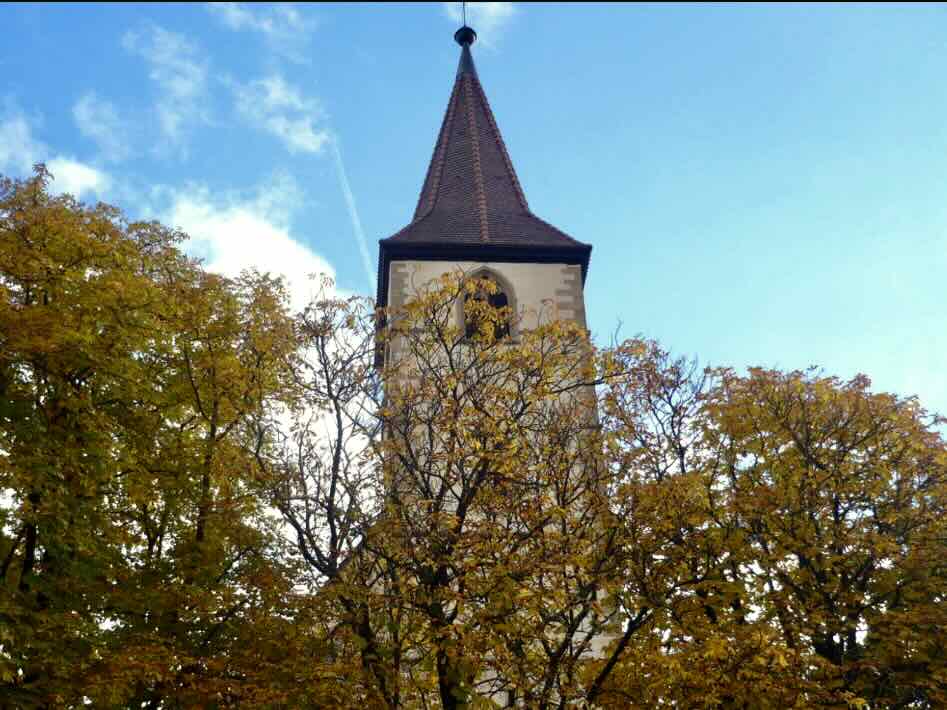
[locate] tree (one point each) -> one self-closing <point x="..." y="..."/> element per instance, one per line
<point x="804" y="547"/>
<point x="207" y="501"/>
<point x="456" y="503"/>
<point x="496" y="518"/>
<point x="542" y="523"/>
<point x="134" y="556"/>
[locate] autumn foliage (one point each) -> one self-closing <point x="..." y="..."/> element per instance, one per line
<point x="209" y="501"/>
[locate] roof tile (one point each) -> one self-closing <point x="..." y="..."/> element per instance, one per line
<point x="471" y="192"/>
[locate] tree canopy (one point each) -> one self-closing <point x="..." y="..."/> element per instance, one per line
<point x="207" y="500"/>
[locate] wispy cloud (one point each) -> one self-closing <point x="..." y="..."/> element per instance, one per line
<point x="489" y="19"/>
<point x="370" y="274"/>
<point x="285" y="29"/>
<point x="20" y="150"/>
<point x="98" y="120"/>
<point x="235" y="232"/>
<point x="179" y="72"/>
<point x="277" y="107"/>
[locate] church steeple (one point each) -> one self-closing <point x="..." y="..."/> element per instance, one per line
<point x="470" y="178"/>
<point x="472" y="207"/>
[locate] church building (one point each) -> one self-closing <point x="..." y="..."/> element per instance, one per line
<point x="473" y="216"/>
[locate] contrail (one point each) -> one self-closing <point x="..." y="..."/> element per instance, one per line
<point x="353" y="215"/>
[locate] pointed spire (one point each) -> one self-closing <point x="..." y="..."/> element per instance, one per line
<point x="471" y="200"/>
<point x="471" y="180"/>
<point x="466" y="65"/>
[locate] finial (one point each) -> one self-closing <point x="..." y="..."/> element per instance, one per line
<point x="465" y="36"/>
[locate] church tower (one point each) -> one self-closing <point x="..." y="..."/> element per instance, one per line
<point x="472" y="216"/>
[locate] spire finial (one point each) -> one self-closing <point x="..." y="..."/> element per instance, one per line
<point x="465" y="36"/>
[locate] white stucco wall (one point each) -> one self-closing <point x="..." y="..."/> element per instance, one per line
<point x="540" y="291"/>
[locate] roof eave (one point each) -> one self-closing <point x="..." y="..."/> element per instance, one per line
<point x="578" y="254"/>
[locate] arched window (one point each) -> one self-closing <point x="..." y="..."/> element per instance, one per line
<point x="493" y="295"/>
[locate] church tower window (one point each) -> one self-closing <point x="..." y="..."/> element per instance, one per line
<point x="497" y="299"/>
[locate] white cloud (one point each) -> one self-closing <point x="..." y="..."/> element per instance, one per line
<point x="98" y="120"/>
<point x="19" y="150"/>
<point x="488" y="18"/>
<point x="232" y="234"/>
<point x="77" y="178"/>
<point x="180" y="73"/>
<point x="277" y="107"/>
<point x="284" y="28"/>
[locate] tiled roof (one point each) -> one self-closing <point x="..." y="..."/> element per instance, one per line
<point x="471" y="200"/>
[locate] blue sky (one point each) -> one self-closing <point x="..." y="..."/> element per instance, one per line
<point x="763" y="185"/>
